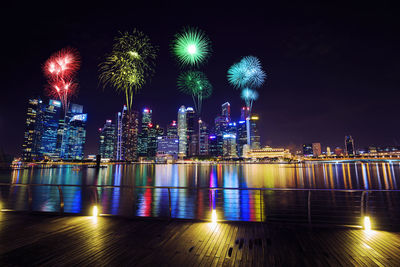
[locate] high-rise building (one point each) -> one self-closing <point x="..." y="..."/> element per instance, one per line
<point x="244" y="113"/>
<point x="130" y="124"/>
<point x="182" y="131"/>
<point x="328" y="151"/>
<point x="316" y="147"/>
<point x="72" y="133"/>
<point x="229" y="145"/>
<point x="118" y="151"/>
<point x="32" y="136"/>
<point x="191" y="133"/>
<point x="349" y="145"/>
<point x="338" y="151"/>
<point x="107" y="140"/>
<point x="50" y="123"/>
<point x="154" y="131"/>
<point x="203" y="140"/>
<point x="172" y="129"/>
<point x="308" y="150"/>
<point x="226" y="111"/>
<point x="255" y="142"/>
<point x="213" y="146"/>
<point x="144" y="134"/>
<point x="241" y="137"/>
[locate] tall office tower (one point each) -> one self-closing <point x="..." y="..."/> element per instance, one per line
<point x="32" y="136"/>
<point x="203" y="139"/>
<point x="119" y="127"/>
<point x="172" y="129"/>
<point x="213" y="146"/>
<point x="182" y="131"/>
<point x="71" y="133"/>
<point x="338" y="151"/>
<point x="229" y="145"/>
<point x="130" y="124"/>
<point x="254" y="135"/>
<point x="241" y="137"/>
<point x="349" y="145"/>
<point x="50" y="122"/>
<point x="191" y="132"/>
<point x="107" y="140"/>
<point x="308" y="150"/>
<point x="144" y="134"/>
<point x="317" y="151"/>
<point x="154" y="131"/>
<point x="226" y="111"/>
<point x="244" y="113"/>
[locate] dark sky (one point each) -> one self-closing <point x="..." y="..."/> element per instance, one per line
<point x="333" y="69"/>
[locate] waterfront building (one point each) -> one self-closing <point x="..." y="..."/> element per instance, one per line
<point x="226" y="111"/>
<point x="50" y="123"/>
<point x="338" y="151"/>
<point x="154" y="131"/>
<point x="244" y="113"/>
<point x="349" y="145"/>
<point x="107" y="140"/>
<point x="328" y="151"/>
<point x="229" y="145"/>
<point x="129" y="138"/>
<point x="32" y="135"/>
<point x="182" y="131"/>
<point x="213" y="145"/>
<point x="144" y="137"/>
<point x="241" y="137"/>
<point x="255" y="142"/>
<point x="118" y="135"/>
<point x="316" y="147"/>
<point x="192" y="137"/>
<point x="172" y="129"/>
<point x="308" y="150"/>
<point x="268" y="152"/>
<point x="203" y="140"/>
<point x="167" y="146"/>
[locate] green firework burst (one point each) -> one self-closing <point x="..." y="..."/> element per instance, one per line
<point x="129" y="65"/>
<point x="191" y="47"/>
<point x="196" y="84"/>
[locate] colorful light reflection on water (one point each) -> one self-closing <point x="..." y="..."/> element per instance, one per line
<point x="188" y="203"/>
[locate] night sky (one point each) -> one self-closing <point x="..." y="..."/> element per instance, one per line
<point x="332" y="69"/>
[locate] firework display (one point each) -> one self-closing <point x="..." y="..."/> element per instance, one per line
<point x="191" y="47"/>
<point x="60" y="70"/>
<point x="249" y="95"/>
<point x="129" y="65"/>
<point x="246" y="73"/>
<point x="196" y="84"/>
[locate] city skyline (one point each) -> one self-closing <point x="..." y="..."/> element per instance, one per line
<point x="308" y="96"/>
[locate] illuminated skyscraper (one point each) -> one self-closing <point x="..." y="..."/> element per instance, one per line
<point x="32" y="136"/>
<point x="130" y="124"/>
<point x="226" y="111"/>
<point x="203" y="140"/>
<point x="254" y="135"/>
<point x="244" y="113"/>
<point x="172" y="129"/>
<point x="154" y="131"/>
<point x="191" y="132"/>
<point x="50" y="123"/>
<point x="317" y="151"/>
<point x="308" y="150"/>
<point x="182" y="131"/>
<point x="241" y="137"/>
<point x="349" y="145"/>
<point x="107" y="140"/>
<point x="144" y="134"/>
<point x="118" y="151"/>
<point x="229" y="141"/>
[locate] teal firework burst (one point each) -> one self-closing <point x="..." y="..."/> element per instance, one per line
<point x="191" y="47"/>
<point x="196" y="84"/>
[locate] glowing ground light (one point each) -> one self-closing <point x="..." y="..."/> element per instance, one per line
<point x="367" y="223"/>
<point x="95" y="211"/>
<point x="214" y="216"/>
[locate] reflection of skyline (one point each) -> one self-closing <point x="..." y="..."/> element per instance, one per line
<point x="192" y="203"/>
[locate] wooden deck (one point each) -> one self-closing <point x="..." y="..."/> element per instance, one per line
<point x="65" y="241"/>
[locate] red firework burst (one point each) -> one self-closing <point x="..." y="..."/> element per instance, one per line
<point x="62" y="64"/>
<point x="60" y="70"/>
